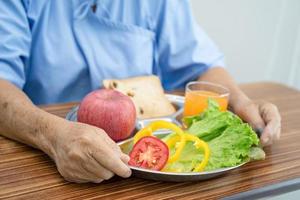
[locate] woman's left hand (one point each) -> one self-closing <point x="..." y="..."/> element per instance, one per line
<point x="264" y="117"/>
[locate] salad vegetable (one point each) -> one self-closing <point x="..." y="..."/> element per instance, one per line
<point x="142" y="153"/>
<point x="198" y="144"/>
<point x="212" y="140"/>
<point x="231" y="142"/>
<point x="160" y="124"/>
<point x="150" y="153"/>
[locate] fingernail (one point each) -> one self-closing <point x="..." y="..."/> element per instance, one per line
<point x="128" y="173"/>
<point x="98" y="181"/>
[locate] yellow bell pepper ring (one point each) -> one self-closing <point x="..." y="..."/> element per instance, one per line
<point x="198" y="144"/>
<point x="160" y="124"/>
<point x="179" y="146"/>
<point x="147" y="131"/>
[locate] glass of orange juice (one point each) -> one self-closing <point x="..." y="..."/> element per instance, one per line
<point x="197" y="94"/>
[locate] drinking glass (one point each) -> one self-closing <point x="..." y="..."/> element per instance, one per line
<point x="197" y="94"/>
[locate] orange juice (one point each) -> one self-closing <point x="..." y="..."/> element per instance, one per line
<point x="196" y="101"/>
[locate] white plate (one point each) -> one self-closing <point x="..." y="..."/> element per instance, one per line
<point x="126" y="147"/>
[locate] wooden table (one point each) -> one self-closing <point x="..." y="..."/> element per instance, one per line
<point x="26" y="173"/>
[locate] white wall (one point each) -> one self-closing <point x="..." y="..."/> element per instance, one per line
<point x="260" y="38"/>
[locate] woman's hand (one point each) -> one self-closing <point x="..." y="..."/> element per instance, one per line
<point x="84" y="153"/>
<point x="264" y="117"/>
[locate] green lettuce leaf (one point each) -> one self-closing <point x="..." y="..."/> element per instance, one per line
<point x="231" y="141"/>
<point x="213" y="124"/>
<point x="189" y="158"/>
<point x="213" y="107"/>
<point x="232" y="147"/>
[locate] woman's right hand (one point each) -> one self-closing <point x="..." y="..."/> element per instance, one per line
<point x="82" y="153"/>
<point x="85" y="153"/>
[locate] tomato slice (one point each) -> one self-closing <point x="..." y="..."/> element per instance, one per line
<point x="149" y="153"/>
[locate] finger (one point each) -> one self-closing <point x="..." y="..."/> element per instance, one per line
<point x="251" y="115"/>
<point x="80" y="172"/>
<point x="109" y="141"/>
<point x="125" y="158"/>
<point x="112" y="144"/>
<point x="72" y="174"/>
<point x="97" y="171"/>
<point x="272" y="118"/>
<point x="271" y="133"/>
<point x="84" y="175"/>
<point x="269" y="112"/>
<point x="75" y="180"/>
<point x="108" y="159"/>
<point x="80" y="175"/>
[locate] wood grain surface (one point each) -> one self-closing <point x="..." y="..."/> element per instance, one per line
<point x="26" y="173"/>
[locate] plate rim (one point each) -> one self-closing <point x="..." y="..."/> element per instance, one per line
<point x="212" y="172"/>
<point x="172" y="98"/>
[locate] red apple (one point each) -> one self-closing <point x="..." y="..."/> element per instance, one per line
<point x="109" y="110"/>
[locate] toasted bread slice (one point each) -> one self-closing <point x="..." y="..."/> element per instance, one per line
<point x="147" y="95"/>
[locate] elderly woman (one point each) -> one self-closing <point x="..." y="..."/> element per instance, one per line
<point x="58" y="51"/>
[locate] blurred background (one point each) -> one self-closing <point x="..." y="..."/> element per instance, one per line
<point x="260" y="39"/>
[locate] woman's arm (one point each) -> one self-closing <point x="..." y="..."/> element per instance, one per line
<point x="263" y="117"/>
<point x="80" y="151"/>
